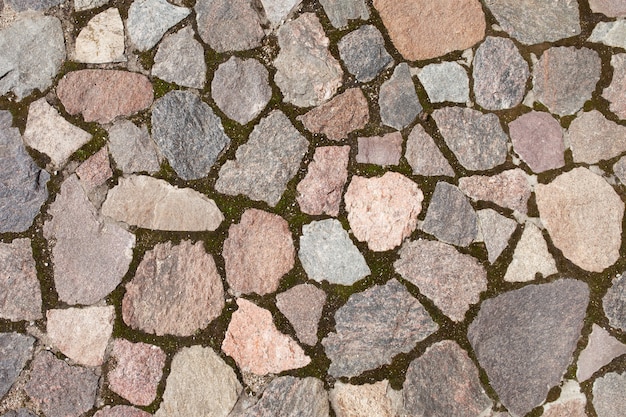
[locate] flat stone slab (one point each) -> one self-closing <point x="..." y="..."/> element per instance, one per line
<point x="340" y="12"/>
<point x="18" y="282"/>
<point x="82" y="5"/>
<point x="121" y="411"/>
<point x="605" y="392"/>
<point x="102" y="40"/>
<point x="611" y="8"/>
<point x="614" y="303"/>
<point x="37" y="5"/>
<point x="538" y="139"/>
<point x="616" y="91"/>
<point x="15" y="349"/>
<point x="277" y="11"/>
<point x="445" y="81"/>
<point x="610" y="34"/>
<point x="510" y="189"/>
<point x="377" y="399"/>
<point x="594" y="138"/>
<point x="398" y="101"/>
<point x="380" y="150"/>
<point x="601" y="349"/>
<point x="180" y="60"/>
<point x="424" y="156"/>
<point x="496" y="230"/>
<point x="303" y="305"/>
<point x="95" y="171"/>
<point x="531" y="257"/>
<point x="148" y="20"/>
<point x="132" y="148"/>
<point x="570" y="403"/>
<point x="363" y="50"/>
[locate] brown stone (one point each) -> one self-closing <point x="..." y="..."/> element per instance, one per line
<point x="365" y="400"/>
<point x="302" y="305"/>
<point x="538" y="139"/>
<point x="95" y="170"/>
<point x="382" y="150"/>
<point x="509" y="189"/>
<point x="616" y="91"/>
<point x="121" y="411"/>
<point x="19" y="286"/>
<point x="594" y="138"/>
<point x="611" y="8"/>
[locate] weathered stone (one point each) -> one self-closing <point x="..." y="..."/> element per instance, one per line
<point x="593" y="138"/>
<point x="188" y="133"/>
<point x="538" y="139"/>
<point x="380" y="150"/>
<point x="21" y="293"/>
<point x="121" y="411"/>
<point x="619" y="169"/>
<point x="37" y="5"/>
<point x="601" y="349"/>
<point x="80" y="5"/>
<point x="616" y="91"/>
<point x="383" y="211"/>
<point x="306" y="73"/>
<point x="571" y="402"/>
<point x="446" y="81"/>
<point x="90" y="255"/>
<point x="102" y="40"/>
<point x="132" y="148"/>
<point x="340" y="116"/>
<point x="424" y="156"/>
<point x="451" y="279"/>
<point x="399" y="105"/>
<point x="364" y="400"/>
<point x="610" y="33"/>
<point x="253" y="341"/>
<point x="176" y="290"/>
<point x="363" y="51"/>
<point x="6" y="119"/>
<point x="229" y="25"/>
<point x="200" y="384"/>
<point x="583" y="215"/>
<point x="611" y="8"/>
<point x="614" y="303"/>
<point x="151" y="203"/>
<point x="258" y="252"/>
<point x="373" y="327"/>
<point x="180" y="60"/>
<point x="606" y="391"/>
<point x="148" y="20"/>
<point x="266" y="162"/>
<point x="321" y="189"/>
<point x="496" y="231"/>
<point x="22" y="412"/>
<point x="277" y="11"/>
<point x="241" y="89"/>
<point x="339" y="12"/>
<point x="524" y="339"/>
<point x="96" y="170"/>
<point x="433" y="37"/>
<point x="450" y="216"/>
<point x="510" y="189"/>
<point x="15" y="351"/>
<point x="102" y="95"/>
<point x="565" y="77"/>
<point x="531" y="257"/>
<point x="302" y="305"/>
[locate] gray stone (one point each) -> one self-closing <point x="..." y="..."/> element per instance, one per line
<point x="377" y="399"/>
<point x="303" y="305"/>
<point x="229" y="25"/>
<point x="180" y="60"/>
<point x="614" y="303"/>
<point x="611" y="8"/>
<point x="399" y="105"/>
<point x="601" y="349"/>
<point x="531" y="257"/>
<point x="327" y="253"/>
<point x="6" y="119"/>
<point x="373" y="327"/>
<point x="264" y="165"/>
<point x="33" y="49"/>
<point x="444" y="382"/>
<point x="524" y="339"/>
<point x="594" y="138"/>
<point x="476" y="139"/>
<point x="619" y="169"/>
<point x="500" y="74"/>
<point x="363" y="53"/>
<point x="446" y="81"/>
<point x="241" y="89"/>
<point x="22" y="412"/>
<point x="616" y="91"/>
<point x="37" y="5"/>
<point x="277" y="11"/>
<point x="496" y="231"/>
<point x="80" y="5"/>
<point x="424" y="156"/>
<point x="148" y="20"/>
<point x="188" y="133"/>
<point x="380" y="150"/>
<point x="132" y="148"/>
<point x="102" y="40"/>
<point x="610" y="33"/>
<point x="606" y="394"/>
<point x="19" y="286"/>
<point x="538" y="139"/>
<point x="15" y="351"/>
<point x="339" y="12"/>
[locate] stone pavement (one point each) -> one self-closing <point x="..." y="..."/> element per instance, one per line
<point x="312" y="208"/>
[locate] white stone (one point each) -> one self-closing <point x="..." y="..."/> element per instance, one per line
<point x="102" y="40"/>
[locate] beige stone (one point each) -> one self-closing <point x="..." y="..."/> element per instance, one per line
<point x="601" y="349"/>
<point x="611" y="8"/>
<point x="367" y="400"/>
<point x="102" y="40"/>
<point x="531" y="257"/>
<point x="594" y="138"/>
<point x="571" y="402"/>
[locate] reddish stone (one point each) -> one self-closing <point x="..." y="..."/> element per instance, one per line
<point x="95" y="170"/>
<point x="616" y="91"/>
<point x="538" y="139"/>
<point x="383" y="150"/>
<point x="302" y="305"/>
<point x="19" y="286"/>
<point x="509" y="189"/>
<point x="611" y="8"/>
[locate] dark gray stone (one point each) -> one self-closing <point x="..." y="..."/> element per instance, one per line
<point x="363" y="52"/>
<point x="339" y="12"/>
<point x="148" y="20"/>
<point x="15" y="351"/>
<point x="424" y="156"/>
<point x="180" y="60"/>
<point x="188" y="133"/>
<point x="614" y="303"/>
<point x="399" y="105"/>
<point x="132" y="148"/>
<point x="608" y="395"/>
<point x="229" y="25"/>
<point x="38" y="5"/>
<point x="524" y="339"/>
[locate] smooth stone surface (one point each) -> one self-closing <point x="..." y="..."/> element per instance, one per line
<point x="610" y="34"/>
<point x="452" y="280"/>
<point x="616" y="91"/>
<point x="571" y="402"/>
<point x="594" y="138"/>
<point x="365" y="400"/>
<point x="524" y="339"/>
<point x="399" y="105"/>
<point x="601" y="349"/>
<point x="583" y="215"/>
<point x="380" y="150"/>
<point x="531" y="256"/>
<point x="446" y="81"/>
<point x="611" y="8"/>
<point x="496" y="231"/>
<point x="538" y="139"/>
<point x="424" y="156"/>
<point x="614" y="303"/>
<point x="302" y="305"/>
<point x="95" y="171"/>
<point x="19" y="286"/>
<point x="15" y="351"/>
<point x="605" y="392"/>
<point x="510" y="189"/>
<point x="277" y="11"/>
<point x="364" y="339"/>
<point x="229" y="25"/>
<point x="180" y="60"/>
<point x="121" y="411"/>
<point x="102" y="40"/>
<point x="148" y="20"/>
<point x="132" y="148"/>
<point x="363" y="51"/>
<point x="340" y="12"/>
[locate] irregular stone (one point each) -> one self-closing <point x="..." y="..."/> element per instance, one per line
<point x="339" y="12"/>
<point x="122" y="411"/>
<point x="363" y="51"/>
<point x="610" y="33"/>
<point x="601" y="349"/>
<point x="176" y="290"/>
<point x="496" y="231"/>
<point x="96" y="170"/>
<point x="565" y="77"/>
<point x="6" y="119"/>
<point x="532" y="22"/>
<point x="306" y="73"/>
<point x="90" y="255"/>
<point x="446" y="81"/>
<point x="229" y="25"/>
<point x="61" y="390"/>
<point x="102" y="95"/>
<point x="132" y="148"/>
<point x="241" y="89"/>
<point x="571" y="402"/>
<point x="258" y="252"/>
<point x="15" y="351"/>
<point x="253" y="341"/>
<point x="605" y="392"/>
<point x="32" y="50"/>
<point x="611" y="8"/>
<point x="180" y="60"/>
<point x="102" y="40"/>
<point x="302" y="305"/>
<point x="583" y="215"/>
<point x="380" y="150"/>
<point x="531" y="257"/>
<point x="450" y="216"/>
<point x="363" y="400"/>
<point x="80" y="5"/>
<point x="475" y="138"/>
<point x="451" y="279"/>
<point x="148" y="20"/>
<point x="616" y="91"/>
<point x="321" y="189"/>
<point x="510" y="189"/>
<point x="200" y="383"/>
<point x="19" y="286"/>
<point x="277" y="11"/>
<point x="266" y="162"/>
<point x="424" y="156"/>
<point x="432" y="37"/>
<point x="614" y="303"/>
<point x="383" y="211"/>
<point x="340" y="116"/>
<point x="593" y="138"/>
<point x="619" y="169"/>
<point x="399" y="105"/>
<point x="373" y="327"/>
<point x="37" y="5"/>
<point x="137" y="371"/>
<point x="327" y="253"/>
<point x="22" y="412"/>
<point x="151" y="203"/>
<point x="524" y="339"/>
<point x="538" y="139"/>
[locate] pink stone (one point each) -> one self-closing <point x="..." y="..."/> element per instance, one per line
<point x="302" y="305"/>
<point x="19" y="286"/>
<point x="121" y="411"/>
<point x="611" y="8"/>
<point x="538" y="139"/>
<point x="601" y="349"/>
<point x="509" y="189"/>
<point x="96" y="170"/>
<point x="615" y="93"/>
<point x="383" y="150"/>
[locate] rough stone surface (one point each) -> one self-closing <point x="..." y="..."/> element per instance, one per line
<point x="614" y="303"/>
<point x="321" y="189"/>
<point x="476" y="139"/>
<point x="610" y="34"/>
<point x="383" y="211"/>
<point x="122" y="411"/>
<point x="302" y="305"/>
<point x="6" y="119"/>
<point x="15" y="351"/>
<point x="345" y="113"/>
<point x="611" y="8"/>
<point x="538" y="139"/>
<point x="266" y="162"/>
<point x="380" y="150"/>
<point x="90" y="255"/>
<point x="188" y="133"/>
<point x="593" y="138"/>
<point x="601" y="349"/>
<point x="424" y="156"/>
<point x="583" y="215"/>
<point x="241" y="89"/>
<point x="81" y="5"/>
<point x="340" y="12"/>
<point x="37" y="5"/>
<point x="148" y="20"/>
<point x="605" y="392"/>
<point x="450" y="216"/>
<point x="277" y="11"/>
<point x="496" y="231"/>
<point x="619" y="169"/>
<point x="510" y="189"/>
<point x="96" y="170"/>
<point x="531" y="256"/>
<point x="399" y="105"/>
<point x="22" y="412"/>
<point x="19" y="286"/>
<point x="132" y="148"/>
<point x="364" y="400"/>
<point x="565" y="77"/>
<point x="524" y="339"/>
<point x="258" y="252"/>
<point x="253" y="341"/>
<point x="306" y="73"/>
<point x="180" y="60"/>
<point x="451" y="279"/>
<point x="363" y="52"/>
<point x="571" y="402"/>
<point x="616" y="91"/>
<point x="102" y="40"/>
<point x="102" y="95"/>
<point x="446" y="81"/>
